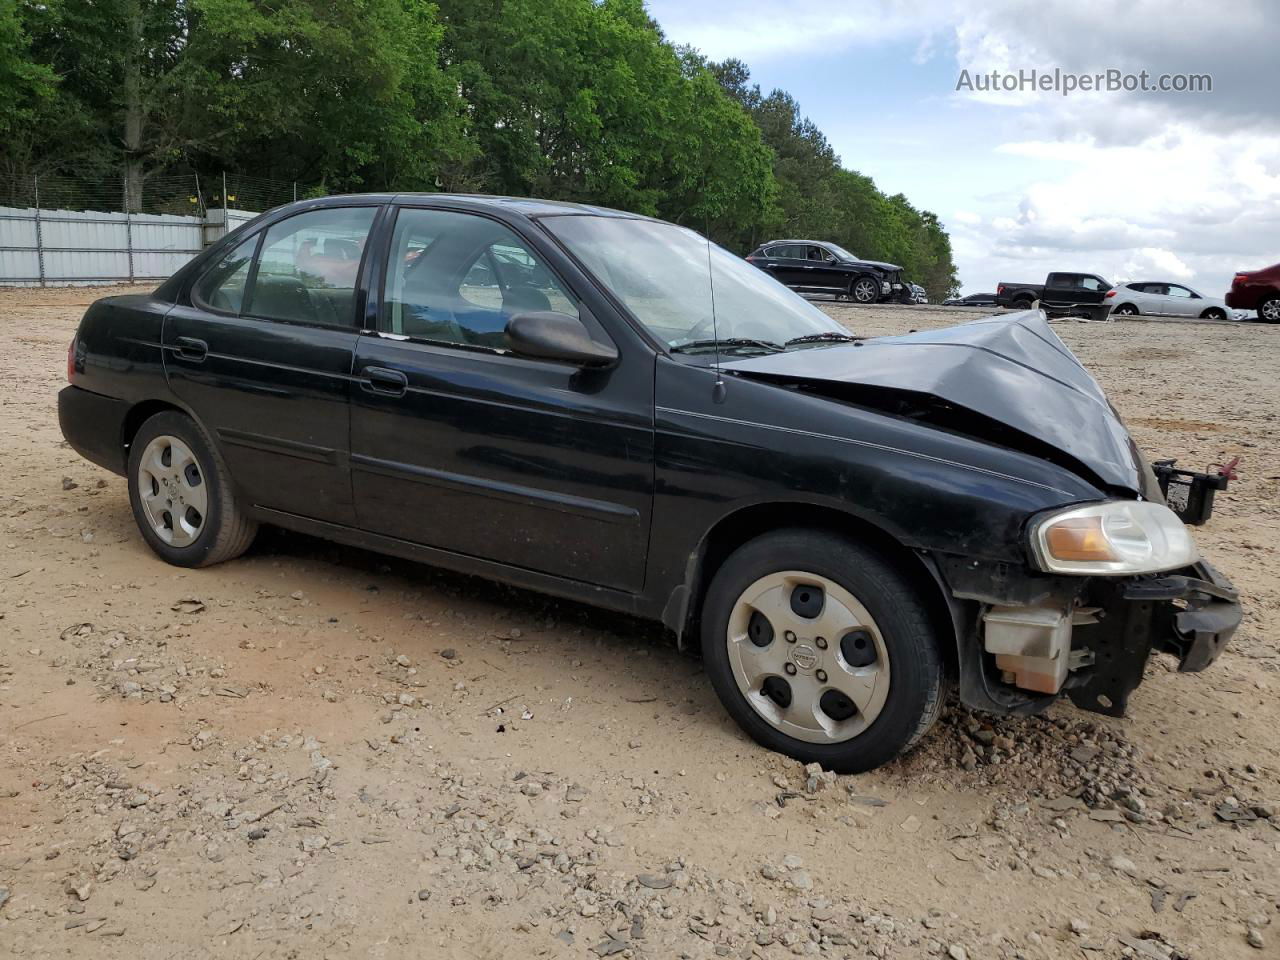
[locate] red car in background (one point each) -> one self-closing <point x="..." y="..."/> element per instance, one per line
<point x="1257" y="290"/>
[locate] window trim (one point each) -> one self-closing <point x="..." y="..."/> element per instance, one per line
<point x="382" y="327"/>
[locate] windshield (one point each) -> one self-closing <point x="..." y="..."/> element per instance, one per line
<point x="663" y="274"/>
<point x="842" y="253"/>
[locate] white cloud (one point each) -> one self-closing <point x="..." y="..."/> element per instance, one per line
<point x="1185" y="185"/>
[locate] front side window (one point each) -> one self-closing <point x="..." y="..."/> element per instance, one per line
<point x="459" y="278"/>
<point x="1183" y="292"/>
<point x="223" y="287"/>
<point x="309" y="267"/>
<point x="669" y="277"/>
<point x="1091" y="283"/>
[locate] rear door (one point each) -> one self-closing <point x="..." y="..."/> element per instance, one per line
<point x="792" y="266"/>
<point x="262" y="356"/>
<point x="460" y="445"/>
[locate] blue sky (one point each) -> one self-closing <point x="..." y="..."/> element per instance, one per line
<point x="1181" y="187"/>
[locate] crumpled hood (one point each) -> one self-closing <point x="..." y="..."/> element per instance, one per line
<point x="881" y="264"/>
<point x="1012" y="368"/>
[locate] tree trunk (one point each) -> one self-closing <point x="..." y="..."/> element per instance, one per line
<point x="133" y="111"/>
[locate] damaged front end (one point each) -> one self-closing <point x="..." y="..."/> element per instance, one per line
<point x="1025" y="639"/>
<point x="1104" y="578"/>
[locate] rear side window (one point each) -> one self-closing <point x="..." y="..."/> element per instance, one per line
<point x="309" y="267"/>
<point x="223" y="287"/>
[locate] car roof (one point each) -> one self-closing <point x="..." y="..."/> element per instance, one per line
<point x="821" y="243"/>
<point x="529" y="206"/>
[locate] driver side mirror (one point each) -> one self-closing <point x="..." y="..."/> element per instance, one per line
<point x="546" y="335"/>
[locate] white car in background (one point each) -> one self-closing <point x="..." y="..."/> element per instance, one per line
<point x="1161" y="299"/>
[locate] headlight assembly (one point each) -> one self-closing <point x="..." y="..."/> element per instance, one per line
<point x="1116" y="537"/>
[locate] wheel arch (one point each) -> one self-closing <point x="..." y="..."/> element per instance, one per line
<point x="684" y="607"/>
<point x="139" y="414"/>
<point x="1132" y="306"/>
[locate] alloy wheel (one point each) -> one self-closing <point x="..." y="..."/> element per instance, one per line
<point x="864" y="291"/>
<point x="1270" y="311"/>
<point x="172" y="491"/>
<point x="808" y="657"/>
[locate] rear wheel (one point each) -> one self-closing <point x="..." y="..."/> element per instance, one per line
<point x="1126" y="310"/>
<point x="821" y="650"/>
<point x="1269" y="310"/>
<point x="865" y="290"/>
<point x="1023" y="303"/>
<point x="182" y="496"/>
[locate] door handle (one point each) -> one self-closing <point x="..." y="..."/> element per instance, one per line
<point x="189" y="348"/>
<point x="390" y="383"/>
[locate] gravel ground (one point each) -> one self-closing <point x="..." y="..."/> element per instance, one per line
<point x="314" y="751"/>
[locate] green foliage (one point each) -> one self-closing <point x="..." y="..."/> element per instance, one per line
<point x="566" y="99"/>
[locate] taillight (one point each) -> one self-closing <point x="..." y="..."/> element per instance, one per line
<point x="1110" y="293"/>
<point x="1238" y="279"/>
<point x="71" y="359"/>
<point x="1000" y="289"/>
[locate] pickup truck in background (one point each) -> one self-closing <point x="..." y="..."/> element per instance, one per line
<point x="1061" y="295"/>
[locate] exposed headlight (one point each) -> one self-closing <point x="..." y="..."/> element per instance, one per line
<point x="1116" y="537"/>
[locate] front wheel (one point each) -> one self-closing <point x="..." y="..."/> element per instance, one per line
<point x="822" y="650"/>
<point x="1214" y="313"/>
<point x="182" y="496"/>
<point x="1269" y="311"/>
<point x="865" y="290"/>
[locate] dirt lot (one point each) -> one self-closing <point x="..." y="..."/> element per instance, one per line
<point x="316" y="752"/>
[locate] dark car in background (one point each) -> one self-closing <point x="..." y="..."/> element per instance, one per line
<point x="608" y="408"/>
<point x="972" y="300"/>
<point x="1257" y="290"/>
<point x="813" y="266"/>
<point x="1061" y="294"/>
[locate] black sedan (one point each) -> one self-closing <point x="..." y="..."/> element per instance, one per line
<point x="972" y="300"/>
<point x="811" y="266"/>
<point x="608" y="408"/>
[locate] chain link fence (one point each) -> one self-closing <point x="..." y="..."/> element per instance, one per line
<point x="183" y="194"/>
<point x="80" y="230"/>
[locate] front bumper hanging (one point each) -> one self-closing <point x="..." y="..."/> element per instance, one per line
<point x="1190" y="615"/>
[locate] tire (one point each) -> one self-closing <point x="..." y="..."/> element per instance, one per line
<point x="1023" y="303"/>
<point x="864" y="289"/>
<point x="1126" y="310"/>
<point x="1269" y="310"/>
<point x="172" y="454"/>
<point x="1214" y="313"/>
<point x="887" y="637"/>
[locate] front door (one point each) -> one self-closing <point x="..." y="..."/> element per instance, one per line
<point x="1182" y="302"/>
<point x="262" y="356"/>
<point x="460" y="445"/>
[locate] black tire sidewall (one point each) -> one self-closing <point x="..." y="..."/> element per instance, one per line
<point x="916" y="669"/>
<point x="178" y="425"/>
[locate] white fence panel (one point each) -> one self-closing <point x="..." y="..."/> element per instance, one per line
<point x="95" y="247"/>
